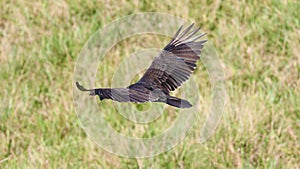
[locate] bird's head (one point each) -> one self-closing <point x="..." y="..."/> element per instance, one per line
<point x="92" y="91"/>
<point x="97" y="92"/>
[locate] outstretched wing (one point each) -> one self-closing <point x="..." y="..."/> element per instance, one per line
<point x="176" y="62"/>
<point x="136" y="94"/>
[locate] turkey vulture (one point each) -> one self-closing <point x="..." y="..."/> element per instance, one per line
<point x="173" y="66"/>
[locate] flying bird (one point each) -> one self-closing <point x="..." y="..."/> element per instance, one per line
<point x="172" y="67"/>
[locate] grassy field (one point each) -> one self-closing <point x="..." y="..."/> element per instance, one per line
<point x="258" y="42"/>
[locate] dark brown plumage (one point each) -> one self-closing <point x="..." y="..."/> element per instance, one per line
<point x="173" y="66"/>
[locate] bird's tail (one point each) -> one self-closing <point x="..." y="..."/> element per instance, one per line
<point x="177" y="102"/>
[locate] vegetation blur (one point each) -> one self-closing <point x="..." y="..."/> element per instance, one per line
<point x="257" y="41"/>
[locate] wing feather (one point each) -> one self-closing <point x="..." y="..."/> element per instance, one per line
<point x="126" y="94"/>
<point x="176" y="62"/>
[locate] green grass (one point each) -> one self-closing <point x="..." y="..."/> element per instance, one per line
<point x="258" y="42"/>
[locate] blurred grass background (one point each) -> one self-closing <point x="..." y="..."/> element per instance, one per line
<point x="258" y="42"/>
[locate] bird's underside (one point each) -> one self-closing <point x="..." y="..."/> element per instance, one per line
<point x="173" y="66"/>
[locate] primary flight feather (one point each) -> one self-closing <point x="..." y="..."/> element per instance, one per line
<point x="173" y="66"/>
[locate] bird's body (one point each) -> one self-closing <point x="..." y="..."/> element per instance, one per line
<point x="173" y="66"/>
